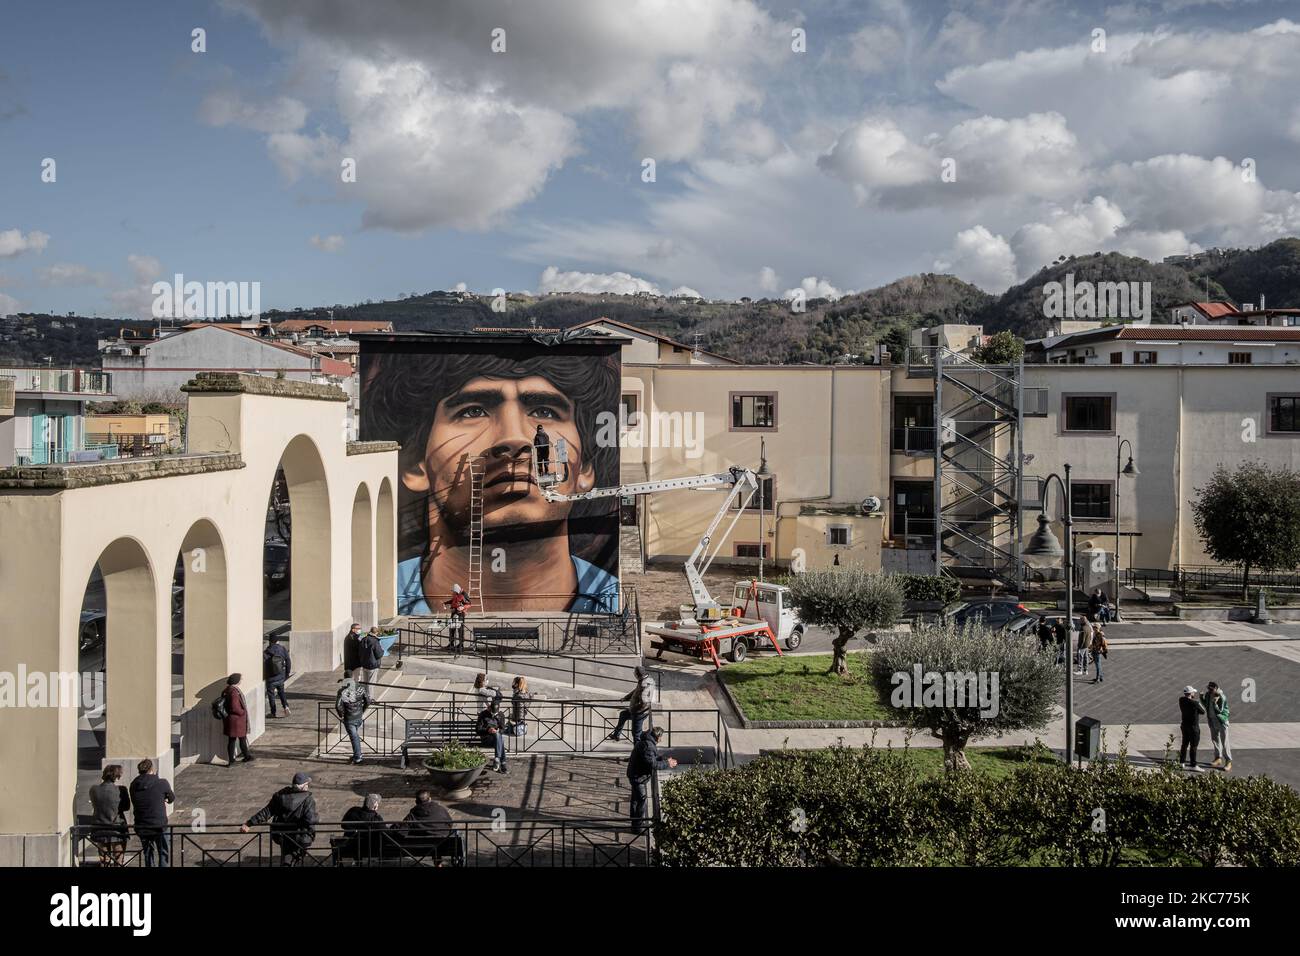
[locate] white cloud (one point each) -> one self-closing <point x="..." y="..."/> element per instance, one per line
<point x="72" y="274"/>
<point x="331" y="243"/>
<point x="768" y="279"/>
<point x="14" y="243"/>
<point x="619" y="283"/>
<point x="460" y="287"/>
<point x="875" y="49"/>
<point x="980" y="257"/>
<point x="815" y="288"/>
<point x="684" y="292"/>
<point x="1086" y="227"/>
<point x="137" y="298"/>
<point x="426" y="154"/>
<point x="8" y="304"/>
<point x="1030" y="156"/>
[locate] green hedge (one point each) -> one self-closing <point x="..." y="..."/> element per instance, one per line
<point x="877" y="808"/>
<point x="929" y="587"/>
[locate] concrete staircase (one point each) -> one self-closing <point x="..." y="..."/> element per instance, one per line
<point x="631" y="558"/>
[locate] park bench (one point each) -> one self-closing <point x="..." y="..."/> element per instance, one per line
<point x="498" y="635"/>
<point x="397" y="844"/>
<point x="434" y="733"/>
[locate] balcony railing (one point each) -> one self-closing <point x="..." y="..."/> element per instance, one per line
<point x="71" y="381"/>
<point x="45" y="455"/>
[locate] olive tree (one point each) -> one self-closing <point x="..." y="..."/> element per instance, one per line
<point x="965" y="683"/>
<point x="1250" y="518"/>
<point x="846" y="600"/>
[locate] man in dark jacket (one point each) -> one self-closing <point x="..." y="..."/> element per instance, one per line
<point x="542" y="450"/>
<point x="361" y="826"/>
<point x="491" y="730"/>
<point x="150" y="795"/>
<point x="372" y="655"/>
<point x="428" y="827"/>
<point x="644" y="761"/>
<point x="276" y="668"/>
<point x="1191" y="709"/>
<point x="352" y="651"/>
<point x="292" y="814"/>
<point x="350" y="704"/>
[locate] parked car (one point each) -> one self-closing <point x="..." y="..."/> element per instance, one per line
<point x="995" y="612"/>
<point x="275" y="565"/>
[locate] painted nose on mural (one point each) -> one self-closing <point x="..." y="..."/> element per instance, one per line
<point x="511" y="452"/>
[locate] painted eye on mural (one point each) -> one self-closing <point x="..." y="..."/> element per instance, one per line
<point x="472" y="411"/>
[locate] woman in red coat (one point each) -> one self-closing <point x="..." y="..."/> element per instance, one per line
<point x="235" y="724"/>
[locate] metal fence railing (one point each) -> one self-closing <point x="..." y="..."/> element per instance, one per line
<point x="52" y="455"/>
<point x="1190" y="578"/>
<point x="553" y="727"/>
<point x="562" y="842"/>
<point x="541" y="634"/>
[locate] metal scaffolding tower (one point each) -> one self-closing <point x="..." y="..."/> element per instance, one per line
<point x="978" y="467"/>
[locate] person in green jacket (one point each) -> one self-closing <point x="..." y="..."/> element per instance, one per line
<point x="1216" y="715"/>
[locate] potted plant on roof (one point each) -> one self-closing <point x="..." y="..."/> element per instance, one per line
<point x="454" y="768"/>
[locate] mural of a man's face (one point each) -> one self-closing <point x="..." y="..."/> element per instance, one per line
<point x="498" y="418"/>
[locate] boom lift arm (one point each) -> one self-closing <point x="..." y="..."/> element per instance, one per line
<point x="742" y="482"/>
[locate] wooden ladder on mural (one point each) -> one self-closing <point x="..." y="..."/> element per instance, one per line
<point x="474" y="586"/>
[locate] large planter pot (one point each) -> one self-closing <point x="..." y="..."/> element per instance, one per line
<point x="455" y="784"/>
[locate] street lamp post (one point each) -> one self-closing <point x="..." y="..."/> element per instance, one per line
<point x="1132" y="471"/>
<point x="1044" y="543"/>
<point x="762" y="476"/>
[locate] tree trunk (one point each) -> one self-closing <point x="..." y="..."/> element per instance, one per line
<point x="1245" y="583"/>
<point x="839" y="664"/>
<point x="954" y="754"/>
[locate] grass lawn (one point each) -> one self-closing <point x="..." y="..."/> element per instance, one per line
<point x="798" y="688"/>
<point x="995" y="761"/>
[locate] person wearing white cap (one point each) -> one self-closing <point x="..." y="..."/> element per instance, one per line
<point x="1191" y="709"/>
<point x="458" y="603"/>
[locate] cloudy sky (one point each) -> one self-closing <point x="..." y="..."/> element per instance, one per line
<point x="829" y="145"/>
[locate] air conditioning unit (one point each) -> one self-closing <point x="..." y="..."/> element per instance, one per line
<point x="872" y="505"/>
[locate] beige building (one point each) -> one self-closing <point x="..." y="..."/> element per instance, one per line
<point x="133" y="519"/>
<point x="837" y="437"/>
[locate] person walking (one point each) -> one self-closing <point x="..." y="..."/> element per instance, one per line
<point x="1060" y="634"/>
<point x="109" y="801"/>
<point x="542" y="450"/>
<point x="639" y="701"/>
<point x="491" y="730"/>
<point x="1216" y="718"/>
<point x="350" y="704"/>
<point x="458" y="603"/>
<point x="1191" y="709"/>
<point x="1099" y="649"/>
<point x="644" y="761"/>
<point x="372" y="656"/>
<point x="1081" y="647"/>
<point x="150" y="795"/>
<point x="235" y="724"/>
<point x="352" y="652"/>
<point x="276" y="668"/>
<point x="292" y="815"/>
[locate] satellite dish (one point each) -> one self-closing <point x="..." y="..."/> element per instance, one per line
<point x="871" y="505"/>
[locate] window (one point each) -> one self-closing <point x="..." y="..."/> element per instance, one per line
<point x="1239" y="358"/>
<point x="1116" y="358"/>
<point x="1090" y="499"/>
<point x="1089" y="413"/>
<point x="750" y="411"/>
<point x="766" y="491"/>
<point x="630" y="403"/>
<point x="1144" y="358"/>
<point x="837" y="535"/>
<point x="1284" y="414"/>
<point x="912" y="513"/>
<point x="913" y="423"/>
<point x="750" y="550"/>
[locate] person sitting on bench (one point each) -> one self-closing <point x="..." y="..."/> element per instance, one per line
<point x="428" y="828"/>
<point x="362" y="826"/>
<point x="492" y="732"/>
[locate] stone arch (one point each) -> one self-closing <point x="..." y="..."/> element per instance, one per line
<point x="363" y="558"/>
<point x="310" y="547"/>
<point x="385" y="552"/>
<point x="207" y="660"/>
<point x="137" y="661"/>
